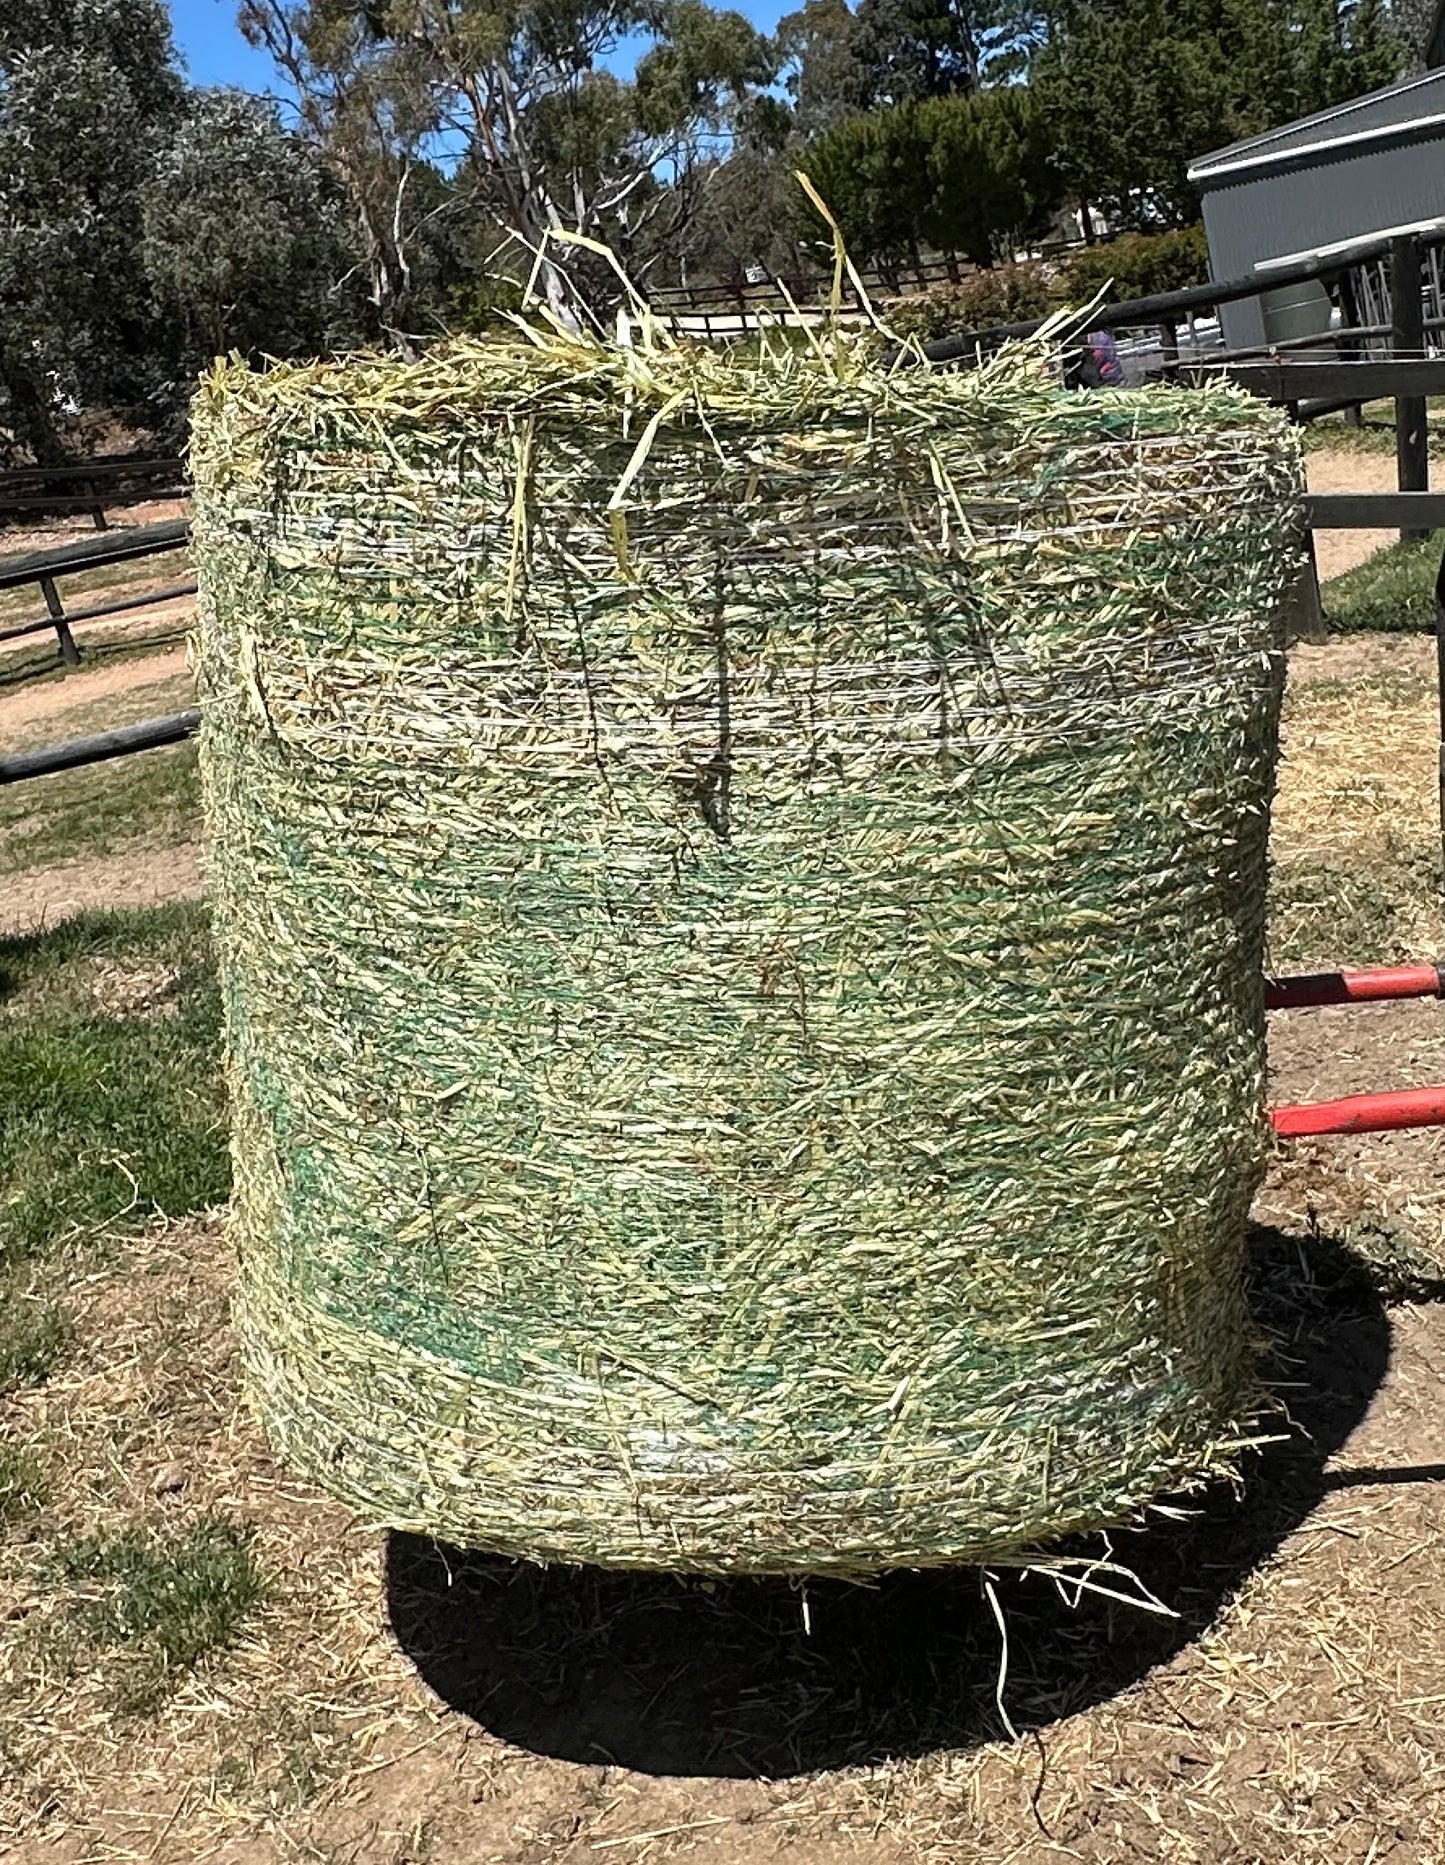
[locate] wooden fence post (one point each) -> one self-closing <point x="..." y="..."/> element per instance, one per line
<point x="69" y="652"/>
<point x="1407" y="338"/>
<point x="1350" y="316"/>
<point x="1304" y="615"/>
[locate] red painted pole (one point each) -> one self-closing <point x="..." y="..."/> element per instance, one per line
<point x="1353" y="987"/>
<point x="1363" y="1113"/>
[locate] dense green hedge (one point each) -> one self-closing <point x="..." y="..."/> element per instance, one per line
<point x="973" y="175"/>
<point x="1136" y="265"/>
<point x="999" y="295"/>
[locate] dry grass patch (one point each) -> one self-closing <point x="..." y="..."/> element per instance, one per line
<point x="1356" y="829"/>
<point x="1356" y="880"/>
<point x="1290" y="1715"/>
<point x="181" y="1622"/>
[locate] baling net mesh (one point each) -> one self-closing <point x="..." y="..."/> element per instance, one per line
<point x="740" y="889"/>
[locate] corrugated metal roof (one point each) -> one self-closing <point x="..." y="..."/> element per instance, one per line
<point x="1402" y="113"/>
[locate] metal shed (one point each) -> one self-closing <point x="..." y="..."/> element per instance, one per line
<point x="1364" y="167"/>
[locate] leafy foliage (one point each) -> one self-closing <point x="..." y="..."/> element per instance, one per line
<point x="913" y="49"/>
<point x="243" y="244"/>
<point x="553" y="142"/>
<point x="1412" y="22"/>
<point x="747" y="212"/>
<point x="968" y="174"/>
<point x="1134" y="90"/>
<point x="1001" y="295"/>
<point x="838" y="62"/>
<point x="144" y="226"/>
<point x="88" y="94"/>
<point x="992" y="182"/>
<point x="819" y="64"/>
<point x="1136" y="265"/>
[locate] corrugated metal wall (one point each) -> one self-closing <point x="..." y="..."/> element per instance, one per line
<point x="1289" y="192"/>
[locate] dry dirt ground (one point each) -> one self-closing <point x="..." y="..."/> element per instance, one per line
<point x="1338" y="551"/>
<point x="32" y="713"/>
<point x="38" y="897"/>
<point x="393" y="1703"/>
<point x="94" y="698"/>
<point x="406" y="1705"/>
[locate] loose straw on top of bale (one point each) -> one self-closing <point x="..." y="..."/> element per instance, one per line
<point x="739" y="880"/>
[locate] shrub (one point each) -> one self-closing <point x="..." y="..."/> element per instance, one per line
<point x="1138" y="264"/>
<point x="1002" y="295"/>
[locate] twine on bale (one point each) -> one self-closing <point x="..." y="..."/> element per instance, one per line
<point x="739" y="881"/>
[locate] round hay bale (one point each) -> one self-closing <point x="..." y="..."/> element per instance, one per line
<point x="740" y="890"/>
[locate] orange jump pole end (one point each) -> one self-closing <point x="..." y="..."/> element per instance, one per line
<point x="1363" y="1113"/>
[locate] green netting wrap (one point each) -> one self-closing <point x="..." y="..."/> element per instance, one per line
<point x="740" y="892"/>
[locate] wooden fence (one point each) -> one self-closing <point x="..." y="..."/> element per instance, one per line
<point x="44" y="568"/>
<point x="723" y="303"/>
<point x="93" y="750"/>
<point x="89" y="486"/>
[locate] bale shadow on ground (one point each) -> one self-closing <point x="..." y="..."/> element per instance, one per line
<point x="679" y="1676"/>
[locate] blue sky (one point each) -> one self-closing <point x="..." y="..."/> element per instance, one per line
<point x="215" y="53"/>
<point x="209" y="40"/>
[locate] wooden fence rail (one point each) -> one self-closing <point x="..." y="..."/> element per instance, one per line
<point x="1413" y="513"/>
<point x="44" y="567"/>
<point x="102" y="745"/>
<point x="89" y="486"/>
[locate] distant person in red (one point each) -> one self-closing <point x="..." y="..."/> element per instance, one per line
<point x="1095" y="364"/>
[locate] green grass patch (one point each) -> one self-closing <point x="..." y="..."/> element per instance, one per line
<point x="152" y="798"/>
<point x="110" y="1117"/>
<point x="1352" y="915"/>
<point x="34" y="1335"/>
<point x="1392" y="592"/>
<point x="152" y="1607"/>
<point x="1376" y="433"/>
<point x="23" y="1486"/>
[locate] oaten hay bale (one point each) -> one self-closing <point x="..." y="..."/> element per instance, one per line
<point x="740" y="889"/>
